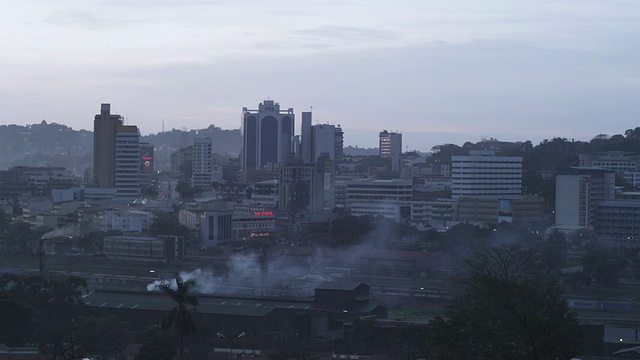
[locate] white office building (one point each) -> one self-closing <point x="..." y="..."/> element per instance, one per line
<point x="127" y="163"/>
<point x="386" y="198"/>
<point x="202" y="163"/>
<point x="483" y="174"/>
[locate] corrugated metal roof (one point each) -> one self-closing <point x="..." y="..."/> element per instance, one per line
<point x="208" y="305"/>
<point x="339" y="285"/>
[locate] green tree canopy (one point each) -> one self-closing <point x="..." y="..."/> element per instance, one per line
<point x="508" y="310"/>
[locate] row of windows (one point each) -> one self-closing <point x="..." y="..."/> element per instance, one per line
<point x="362" y="186"/>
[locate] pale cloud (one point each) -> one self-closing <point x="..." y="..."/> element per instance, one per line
<point x="493" y="68"/>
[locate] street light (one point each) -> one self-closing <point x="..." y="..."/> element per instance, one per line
<point x="221" y="336"/>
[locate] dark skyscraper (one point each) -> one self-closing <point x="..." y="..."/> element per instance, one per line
<point x="105" y="127"/>
<point x="306" y="138"/>
<point x="266" y="135"/>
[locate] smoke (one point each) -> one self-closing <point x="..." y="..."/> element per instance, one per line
<point x="206" y="281"/>
<point x="244" y="269"/>
<point x="244" y="275"/>
<point x="248" y="274"/>
<point x="59" y="232"/>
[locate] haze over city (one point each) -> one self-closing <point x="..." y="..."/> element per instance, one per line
<point x="437" y="72"/>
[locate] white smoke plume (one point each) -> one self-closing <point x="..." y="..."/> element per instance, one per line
<point x="59" y="232"/>
<point x="244" y="273"/>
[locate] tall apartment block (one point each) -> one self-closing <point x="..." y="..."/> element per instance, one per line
<point x="323" y="141"/>
<point x="127" y="163"/>
<point x="320" y="139"/>
<point x="390" y="144"/>
<point x="266" y="135"/>
<point x="483" y="174"/>
<point x="307" y="190"/>
<point x="339" y="145"/>
<point x="306" y="134"/>
<point x="391" y="147"/>
<point x="105" y="127"/>
<point x="202" y="163"/>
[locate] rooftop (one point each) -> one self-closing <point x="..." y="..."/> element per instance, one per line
<point x="339" y="285"/>
<point x="207" y="304"/>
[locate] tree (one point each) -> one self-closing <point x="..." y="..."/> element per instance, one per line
<point x="467" y="236"/>
<point x="603" y="263"/>
<point x="509" y="310"/>
<point x="351" y="229"/>
<point x="576" y="279"/>
<point x="553" y="252"/>
<point x="102" y="335"/>
<point x="166" y="223"/>
<point x="156" y="347"/>
<point x="17" y="324"/>
<point x="20" y="237"/>
<point x="186" y="191"/>
<point x="408" y="343"/>
<point x="180" y="317"/>
<point x="284" y="354"/>
<point x="361" y="336"/>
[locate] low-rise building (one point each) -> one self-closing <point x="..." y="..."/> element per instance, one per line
<point x="386" y="198"/>
<point x="524" y="211"/>
<point x="142" y="248"/>
<point x="618" y="222"/>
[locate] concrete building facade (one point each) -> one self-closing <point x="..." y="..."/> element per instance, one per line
<point x="306" y="134"/>
<point x="323" y="141"/>
<point x="618" y="222"/>
<point x="105" y="126"/>
<point x="483" y="174"/>
<point x="391" y="147"/>
<point x="127" y="163"/>
<point x="387" y="198"/>
<point x="202" y="163"/>
<point x="578" y="191"/>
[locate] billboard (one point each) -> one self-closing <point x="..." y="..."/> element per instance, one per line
<point x="505" y="210"/>
<point x="146" y="158"/>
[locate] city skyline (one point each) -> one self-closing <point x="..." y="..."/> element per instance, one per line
<point x="437" y="73"/>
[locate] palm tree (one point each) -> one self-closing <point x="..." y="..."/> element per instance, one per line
<point x="180" y="316"/>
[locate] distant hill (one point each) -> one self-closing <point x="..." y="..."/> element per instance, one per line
<point x="224" y="141"/>
<point x="54" y="144"/>
<point x="358" y="151"/>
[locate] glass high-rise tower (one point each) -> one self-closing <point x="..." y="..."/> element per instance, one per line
<point x="266" y="135"/>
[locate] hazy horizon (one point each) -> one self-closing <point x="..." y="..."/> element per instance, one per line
<point x="437" y="72"/>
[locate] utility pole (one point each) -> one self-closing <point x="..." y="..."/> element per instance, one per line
<point x="41" y="254"/>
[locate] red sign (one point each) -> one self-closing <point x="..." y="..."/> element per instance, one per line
<point x="262" y="213"/>
<point x="147" y="164"/>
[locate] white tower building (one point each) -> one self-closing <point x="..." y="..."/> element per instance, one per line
<point x="127" y="163"/>
<point x="202" y="163"/>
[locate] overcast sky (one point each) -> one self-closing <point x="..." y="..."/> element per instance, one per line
<point x="437" y="71"/>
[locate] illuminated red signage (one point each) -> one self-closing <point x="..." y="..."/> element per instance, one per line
<point x="147" y="164"/>
<point x="262" y="213"/>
